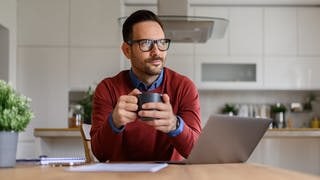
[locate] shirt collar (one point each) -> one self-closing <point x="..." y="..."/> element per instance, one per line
<point x="143" y="87"/>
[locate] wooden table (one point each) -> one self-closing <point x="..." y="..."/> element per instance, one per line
<point x="175" y="172"/>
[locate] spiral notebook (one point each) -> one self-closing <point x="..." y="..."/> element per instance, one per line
<point x="62" y="161"/>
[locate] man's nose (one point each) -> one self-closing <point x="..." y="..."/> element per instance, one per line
<point x="154" y="50"/>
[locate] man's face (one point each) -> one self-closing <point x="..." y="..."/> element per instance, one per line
<point x="148" y="63"/>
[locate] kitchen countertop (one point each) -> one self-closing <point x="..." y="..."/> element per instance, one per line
<point x="271" y="133"/>
<point x="293" y="132"/>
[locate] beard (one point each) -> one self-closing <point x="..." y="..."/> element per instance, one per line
<point x="147" y="67"/>
<point x="151" y="69"/>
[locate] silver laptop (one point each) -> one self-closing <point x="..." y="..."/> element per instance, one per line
<point x="228" y="139"/>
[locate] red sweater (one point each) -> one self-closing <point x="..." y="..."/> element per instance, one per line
<point x="138" y="141"/>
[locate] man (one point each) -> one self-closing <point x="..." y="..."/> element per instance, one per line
<point x="117" y="133"/>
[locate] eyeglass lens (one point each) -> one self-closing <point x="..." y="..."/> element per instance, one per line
<point x="147" y="44"/>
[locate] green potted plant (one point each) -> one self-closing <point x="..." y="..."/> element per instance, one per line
<point x="229" y="109"/>
<point x="15" y="115"/>
<point x="278" y="111"/>
<point x="86" y="103"/>
<point x="307" y="106"/>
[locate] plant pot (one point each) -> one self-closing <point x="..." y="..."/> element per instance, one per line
<point x="8" y="148"/>
<point x="279" y="120"/>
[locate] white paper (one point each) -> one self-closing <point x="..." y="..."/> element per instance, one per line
<point x="119" y="167"/>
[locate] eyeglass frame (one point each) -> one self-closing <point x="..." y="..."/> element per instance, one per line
<point x="153" y="42"/>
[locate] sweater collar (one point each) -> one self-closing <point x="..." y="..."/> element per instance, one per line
<point x="143" y="87"/>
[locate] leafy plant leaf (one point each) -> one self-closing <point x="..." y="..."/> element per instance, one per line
<point x="15" y="110"/>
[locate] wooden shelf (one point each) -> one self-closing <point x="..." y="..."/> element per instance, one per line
<point x="57" y="132"/>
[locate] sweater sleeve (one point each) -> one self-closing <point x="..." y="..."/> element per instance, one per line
<point x="102" y="135"/>
<point x="188" y="108"/>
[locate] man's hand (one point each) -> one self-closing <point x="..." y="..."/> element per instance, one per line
<point x="125" y="110"/>
<point x="165" y="120"/>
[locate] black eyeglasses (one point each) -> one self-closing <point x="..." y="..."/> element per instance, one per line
<point x="146" y="45"/>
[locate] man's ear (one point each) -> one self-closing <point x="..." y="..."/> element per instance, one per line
<point x="126" y="49"/>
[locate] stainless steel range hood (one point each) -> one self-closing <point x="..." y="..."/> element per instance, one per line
<point x="180" y="27"/>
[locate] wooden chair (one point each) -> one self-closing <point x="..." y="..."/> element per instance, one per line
<point x="86" y="139"/>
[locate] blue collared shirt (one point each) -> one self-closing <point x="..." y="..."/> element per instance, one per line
<point x="143" y="87"/>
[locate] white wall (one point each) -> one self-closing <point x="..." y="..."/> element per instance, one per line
<point x="8" y="19"/>
<point x="63" y="45"/>
<point x="4" y="53"/>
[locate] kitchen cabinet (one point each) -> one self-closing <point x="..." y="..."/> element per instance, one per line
<point x="293" y="149"/>
<point x="280" y="31"/>
<point x="94" y="23"/>
<point x="244" y="36"/>
<point x="63" y="45"/>
<point x="88" y="66"/>
<point x="214" y="72"/>
<point x="43" y="22"/>
<point x="94" y="42"/>
<point x="246" y="31"/>
<point x="42" y="76"/>
<point x="309" y="31"/>
<point x="213" y="46"/>
<point x="182" y="64"/>
<point x="292" y="73"/>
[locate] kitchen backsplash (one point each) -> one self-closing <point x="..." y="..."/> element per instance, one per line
<point x="258" y="103"/>
<point x="249" y="103"/>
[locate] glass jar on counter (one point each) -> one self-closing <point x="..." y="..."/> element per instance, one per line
<point x="315" y="122"/>
<point x="75" y="116"/>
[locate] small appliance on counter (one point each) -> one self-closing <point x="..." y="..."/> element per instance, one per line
<point x="75" y="116"/>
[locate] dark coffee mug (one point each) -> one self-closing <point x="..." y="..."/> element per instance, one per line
<point x="146" y="97"/>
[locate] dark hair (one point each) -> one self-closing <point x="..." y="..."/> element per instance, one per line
<point x="136" y="17"/>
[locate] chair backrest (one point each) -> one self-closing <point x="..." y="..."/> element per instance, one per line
<point x="86" y="139"/>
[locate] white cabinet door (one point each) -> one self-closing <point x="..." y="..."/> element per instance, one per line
<point x="43" y="22"/>
<point x="94" y="42"/>
<point x="88" y="66"/>
<point x="292" y="73"/>
<point x="246" y="27"/>
<point x="213" y="46"/>
<point x="42" y="76"/>
<point x="309" y="31"/>
<point x="214" y="72"/>
<point x="94" y="23"/>
<point x="280" y="36"/>
<point x="182" y="64"/>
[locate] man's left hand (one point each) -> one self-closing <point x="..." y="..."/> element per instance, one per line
<point x="165" y="119"/>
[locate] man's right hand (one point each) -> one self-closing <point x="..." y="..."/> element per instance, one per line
<point x="126" y="109"/>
